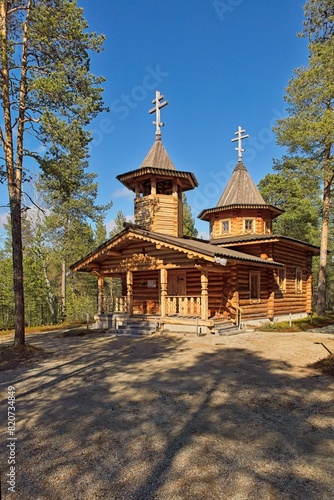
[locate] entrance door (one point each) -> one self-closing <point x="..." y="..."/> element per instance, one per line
<point x="176" y="283"/>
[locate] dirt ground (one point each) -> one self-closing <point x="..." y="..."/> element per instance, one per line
<point x="172" y="417"/>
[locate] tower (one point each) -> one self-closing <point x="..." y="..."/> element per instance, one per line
<point x="158" y="186"/>
<point x="241" y="209"/>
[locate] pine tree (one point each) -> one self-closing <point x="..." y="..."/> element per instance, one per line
<point x="308" y="130"/>
<point x="119" y="221"/>
<point x="188" y="220"/>
<point x="47" y="90"/>
<point x="301" y="205"/>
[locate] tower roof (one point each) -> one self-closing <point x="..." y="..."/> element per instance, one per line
<point x="157" y="162"/>
<point x="240" y="189"/>
<point x="158" y="157"/>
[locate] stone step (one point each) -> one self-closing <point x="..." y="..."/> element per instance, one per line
<point x="229" y="330"/>
<point x="139" y="324"/>
<point x="136" y="332"/>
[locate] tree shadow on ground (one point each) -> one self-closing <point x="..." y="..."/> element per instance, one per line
<point x="162" y="418"/>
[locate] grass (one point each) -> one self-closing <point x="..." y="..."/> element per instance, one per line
<point x="45" y="328"/>
<point x="298" y="325"/>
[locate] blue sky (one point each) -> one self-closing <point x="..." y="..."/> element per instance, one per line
<point x="219" y="64"/>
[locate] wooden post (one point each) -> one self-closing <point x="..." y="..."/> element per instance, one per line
<point x="129" y="286"/>
<point x="309" y="293"/>
<point x="271" y="295"/>
<point x="100" y="285"/>
<point x="163" y="292"/>
<point x="204" y="294"/>
<point x="153" y="186"/>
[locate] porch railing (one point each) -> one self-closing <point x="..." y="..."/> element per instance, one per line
<point x="115" y="304"/>
<point x="180" y="304"/>
<point x="189" y="306"/>
<point x="121" y="304"/>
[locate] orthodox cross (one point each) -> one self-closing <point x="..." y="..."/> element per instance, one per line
<point x="156" y="109"/>
<point x="239" y="139"/>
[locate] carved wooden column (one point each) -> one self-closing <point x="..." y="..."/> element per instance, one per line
<point x="100" y="300"/>
<point x="163" y="292"/>
<point x="204" y="294"/>
<point x="129" y="287"/>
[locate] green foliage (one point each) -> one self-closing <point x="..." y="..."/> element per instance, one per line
<point x="188" y="220"/>
<point x="307" y="131"/>
<point x="48" y="92"/>
<point x="118" y="224"/>
<point x="302" y="207"/>
<point x="298" y="325"/>
<point x="319" y="20"/>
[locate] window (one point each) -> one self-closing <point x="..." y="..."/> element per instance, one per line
<point x="267" y="227"/>
<point x="299" y="280"/>
<point x="254" y="285"/>
<point x="249" y="225"/>
<point x="281" y="279"/>
<point x="225" y="226"/>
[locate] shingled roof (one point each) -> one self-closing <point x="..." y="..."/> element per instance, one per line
<point x="158" y="157"/>
<point x="240" y="192"/>
<point x="240" y="189"/>
<point x="200" y="248"/>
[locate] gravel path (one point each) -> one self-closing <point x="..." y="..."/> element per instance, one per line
<point x="172" y="417"/>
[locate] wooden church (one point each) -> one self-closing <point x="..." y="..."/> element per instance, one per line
<point x="243" y="273"/>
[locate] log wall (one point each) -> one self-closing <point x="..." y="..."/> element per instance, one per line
<point x="160" y="213"/>
<point x="262" y="222"/>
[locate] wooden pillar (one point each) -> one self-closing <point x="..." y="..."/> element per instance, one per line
<point x="163" y="292"/>
<point x="153" y="186"/>
<point x="309" y="285"/>
<point x="129" y="287"/>
<point x="271" y="295"/>
<point x="204" y="295"/>
<point x="100" y="301"/>
<point x="234" y="283"/>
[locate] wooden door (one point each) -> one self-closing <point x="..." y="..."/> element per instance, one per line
<point x="176" y="283"/>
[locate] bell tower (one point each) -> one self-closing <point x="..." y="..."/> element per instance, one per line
<point x="158" y="186"/>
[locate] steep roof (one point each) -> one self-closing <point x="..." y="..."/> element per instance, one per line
<point x="158" y="163"/>
<point x="240" y="192"/>
<point x="158" y="157"/>
<point x="240" y="189"/>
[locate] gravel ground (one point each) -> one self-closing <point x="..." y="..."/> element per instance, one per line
<point x="172" y="417"/>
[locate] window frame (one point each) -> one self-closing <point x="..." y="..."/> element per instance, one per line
<point x="281" y="279"/>
<point x="249" y="231"/>
<point x="257" y="297"/>
<point x="298" y="280"/>
<point x="222" y="222"/>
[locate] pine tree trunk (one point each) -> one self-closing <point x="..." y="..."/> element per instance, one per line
<point x="321" y="302"/>
<point x="15" y="212"/>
